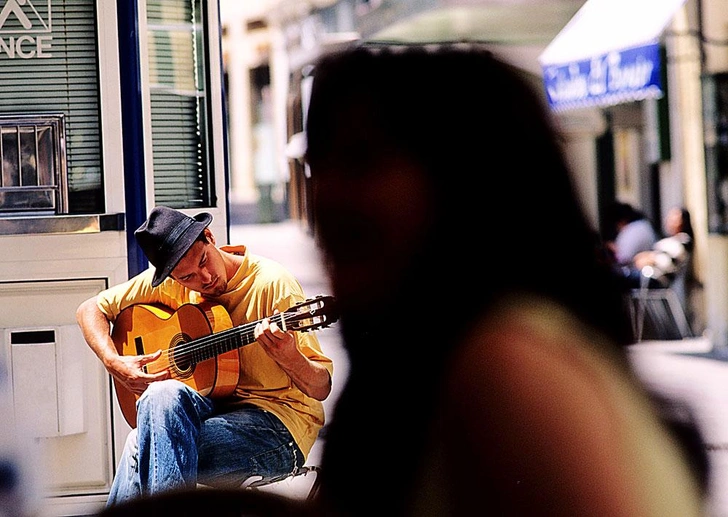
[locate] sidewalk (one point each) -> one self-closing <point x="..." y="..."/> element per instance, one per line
<point x="690" y="370"/>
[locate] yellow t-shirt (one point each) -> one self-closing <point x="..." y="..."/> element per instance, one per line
<point x="258" y="288"/>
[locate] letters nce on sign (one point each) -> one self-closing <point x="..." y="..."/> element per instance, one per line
<point x="25" y="29"/>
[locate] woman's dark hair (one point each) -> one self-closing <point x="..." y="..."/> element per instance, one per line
<point x="483" y="136"/>
<point x="505" y="221"/>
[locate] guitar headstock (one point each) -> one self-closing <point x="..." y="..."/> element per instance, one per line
<point x="315" y="313"/>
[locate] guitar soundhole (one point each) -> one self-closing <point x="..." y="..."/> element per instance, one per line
<point x="181" y="359"/>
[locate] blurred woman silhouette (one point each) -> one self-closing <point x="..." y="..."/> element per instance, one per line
<point x="482" y="379"/>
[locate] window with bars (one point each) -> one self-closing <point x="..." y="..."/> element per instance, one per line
<point x="183" y="175"/>
<point x="49" y="65"/>
<point x="33" y="165"/>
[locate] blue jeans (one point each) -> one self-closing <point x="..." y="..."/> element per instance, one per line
<point x="180" y="440"/>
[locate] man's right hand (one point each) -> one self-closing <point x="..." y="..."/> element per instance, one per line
<point x="129" y="371"/>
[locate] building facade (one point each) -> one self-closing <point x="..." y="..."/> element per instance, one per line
<point x="106" y="109"/>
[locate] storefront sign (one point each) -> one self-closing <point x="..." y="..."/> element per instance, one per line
<point x="608" y="79"/>
<point x="25" y="29"/>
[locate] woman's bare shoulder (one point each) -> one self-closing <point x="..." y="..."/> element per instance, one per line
<point x="524" y="338"/>
<point x="535" y="394"/>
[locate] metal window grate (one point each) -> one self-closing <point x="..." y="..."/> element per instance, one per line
<point x="33" y="175"/>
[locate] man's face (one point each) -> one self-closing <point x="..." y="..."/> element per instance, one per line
<point x="202" y="268"/>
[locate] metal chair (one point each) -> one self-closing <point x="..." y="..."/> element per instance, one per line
<point x="657" y="313"/>
<point x="294" y="485"/>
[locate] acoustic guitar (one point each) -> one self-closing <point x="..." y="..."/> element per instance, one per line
<point x="199" y="343"/>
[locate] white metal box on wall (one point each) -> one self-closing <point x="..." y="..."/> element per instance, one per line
<point x="60" y="394"/>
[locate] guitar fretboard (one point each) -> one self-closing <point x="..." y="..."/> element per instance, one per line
<point x="213" y="345"/>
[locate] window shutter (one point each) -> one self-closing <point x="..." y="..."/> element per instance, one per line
<point x="180" y="140"/>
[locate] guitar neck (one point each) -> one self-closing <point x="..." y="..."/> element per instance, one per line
<point x="212" y="345"/>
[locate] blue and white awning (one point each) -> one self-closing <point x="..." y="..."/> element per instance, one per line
<point x="607" y="54"/>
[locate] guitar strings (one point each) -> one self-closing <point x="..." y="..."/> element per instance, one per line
<point x="186" y="350"/>
<point x="190" y="347"/>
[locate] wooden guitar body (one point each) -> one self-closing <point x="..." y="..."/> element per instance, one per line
<point x="144" y="329"/>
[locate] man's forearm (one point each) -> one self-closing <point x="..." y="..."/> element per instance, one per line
<point x="95" y="328"/>
<point x="310" y="377"/>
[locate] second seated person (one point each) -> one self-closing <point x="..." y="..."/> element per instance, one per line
<point x="633" y="231"/>
<point x="670" y="256"/>
<point x="269" y="424"/>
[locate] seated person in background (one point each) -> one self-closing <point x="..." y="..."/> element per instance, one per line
<point x="484" y="384"/>
<point x="659" y="266"/>
<point x="633" y="233"/>
<point x="669" y="255"/>
<point x="268" y="425"/>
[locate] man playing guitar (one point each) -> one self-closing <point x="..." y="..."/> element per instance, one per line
<point x="264" y="420"/>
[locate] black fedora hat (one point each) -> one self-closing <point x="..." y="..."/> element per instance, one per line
<point x="166" y="236"/>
